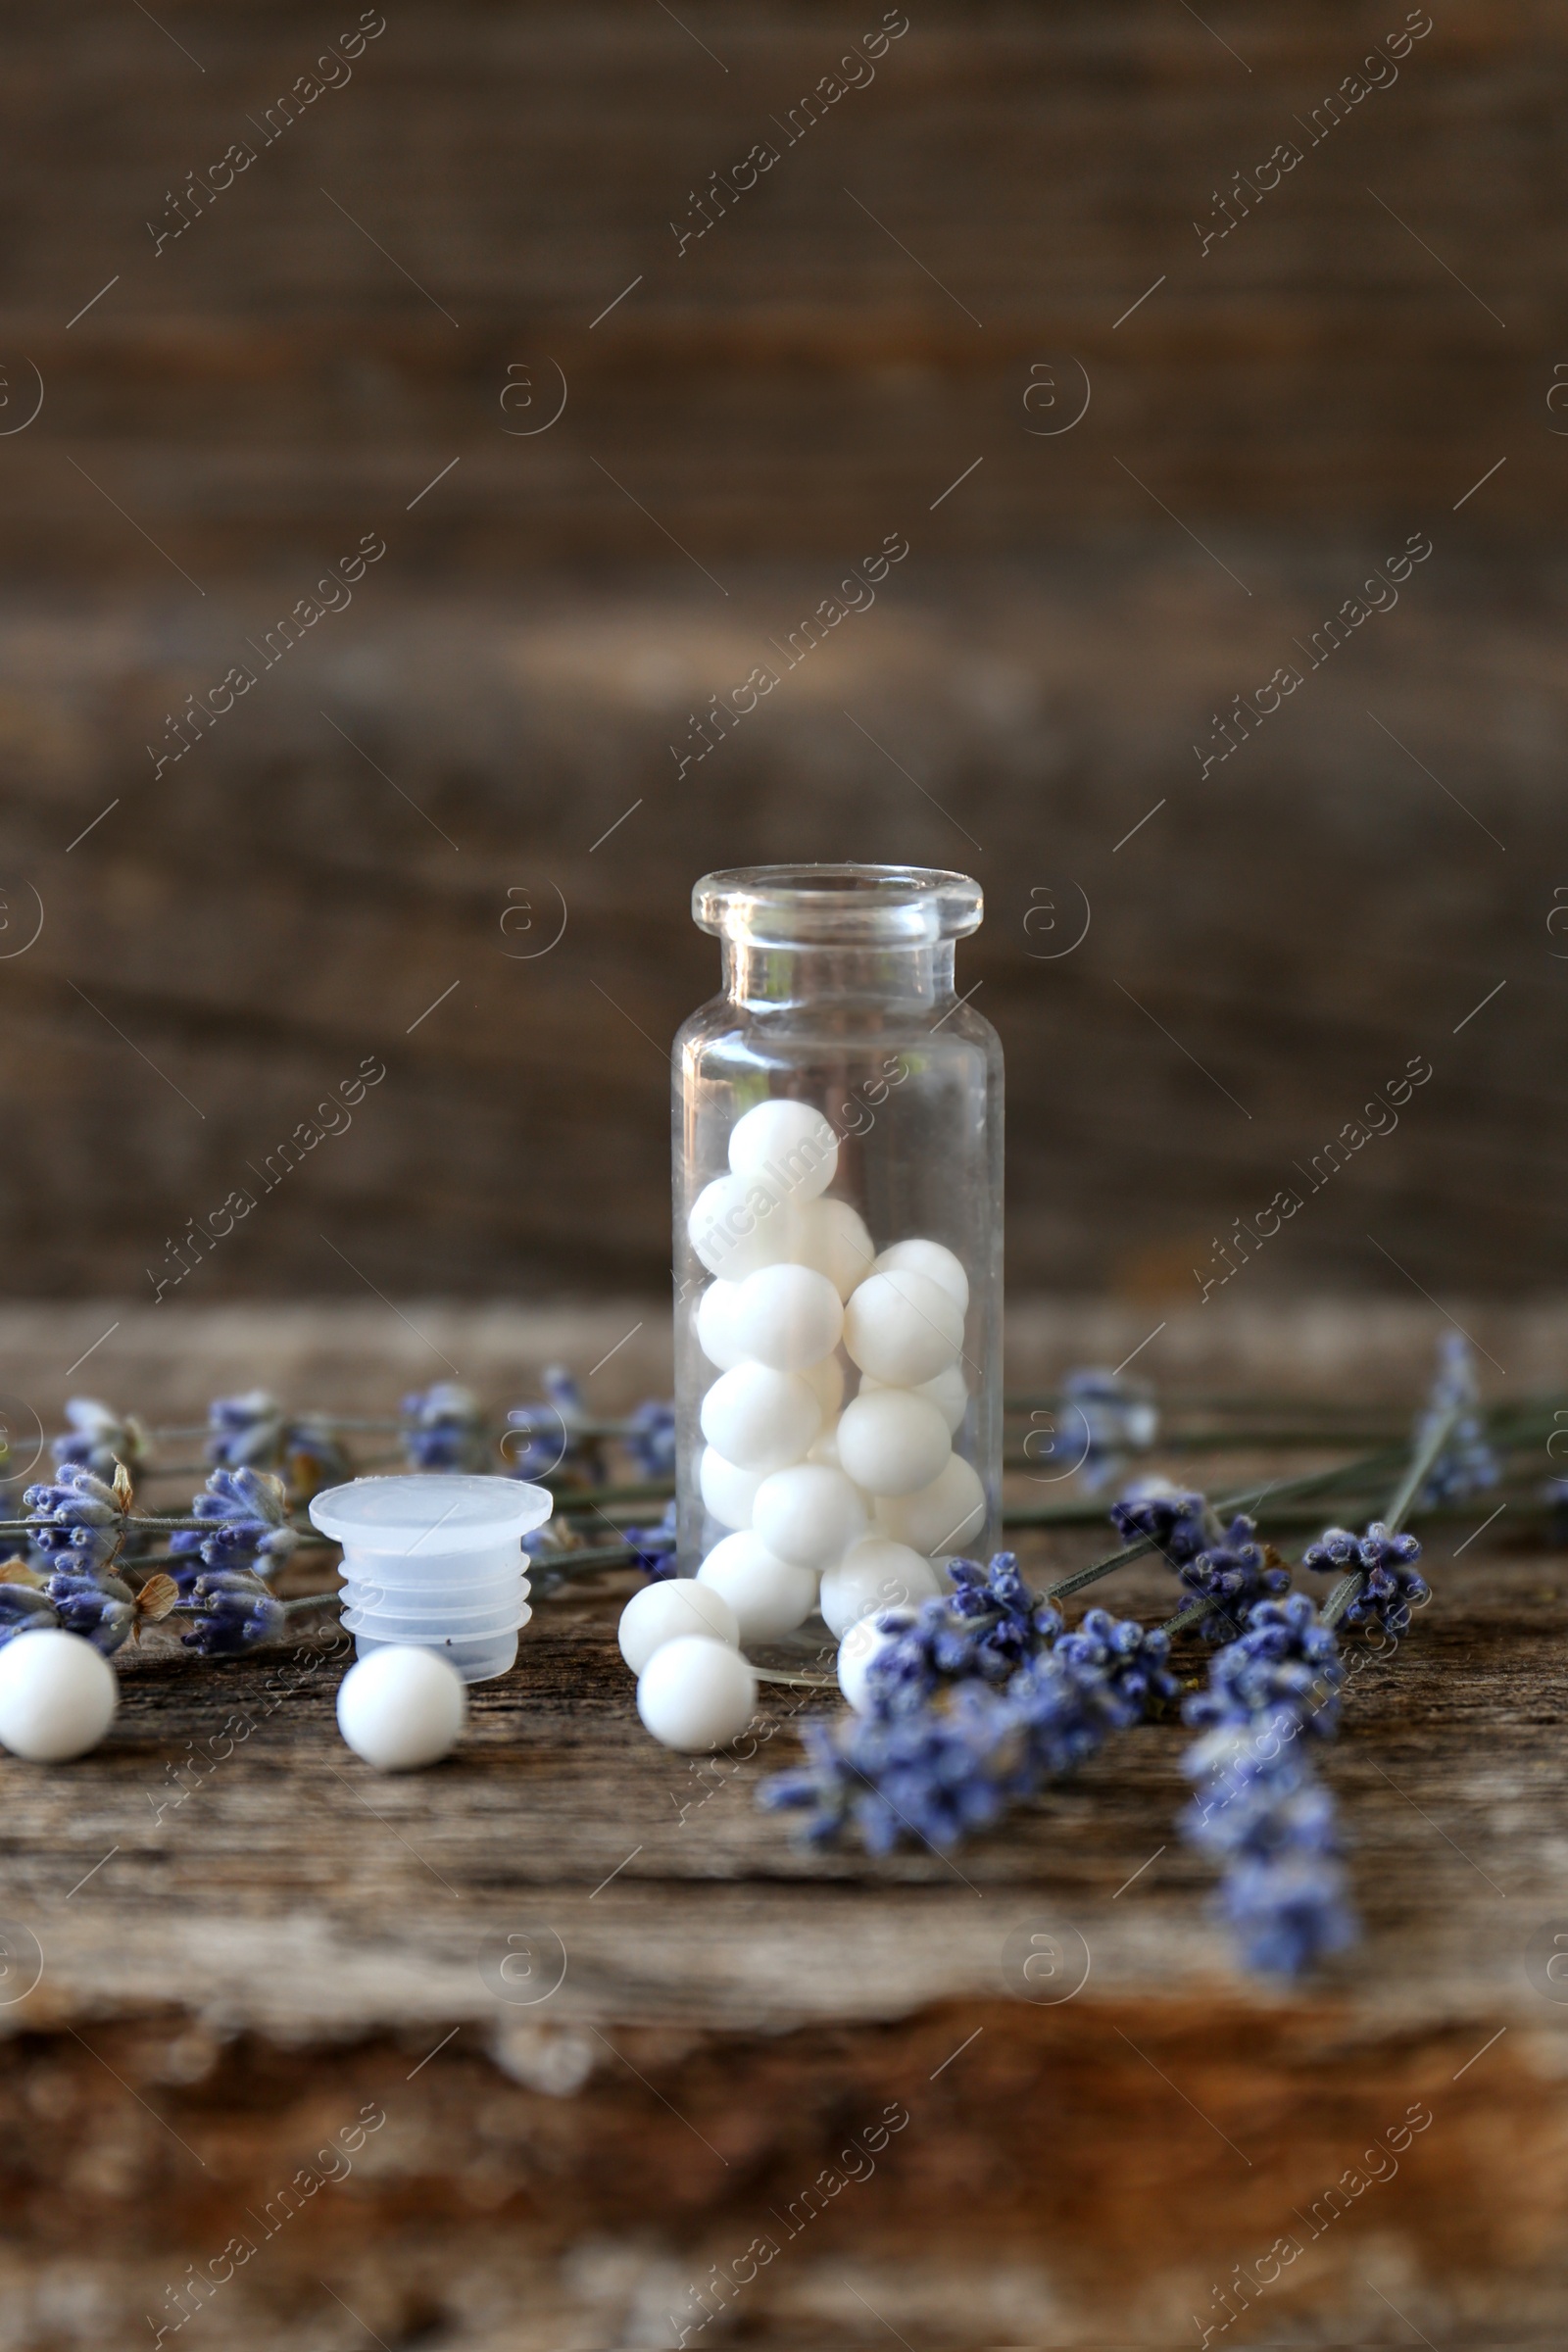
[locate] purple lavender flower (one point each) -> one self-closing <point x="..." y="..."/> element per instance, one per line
<point x="98" y="1439"/>
<point x="1258" y="1810"/>
<point x="1284" y="1659"/>
<point x="245" y="1433"/>
<point x="233" y="1611"/>
<point x="1176" y="1521"/>
<point x="972" y="1706"/>
<point x="250" y="1525"/>
<point x="1289" y="1912"/>
<point x="651" y="1439"/>
<point x="1123" y="1668"/>
<point x="444" y="1428"/>
<point x="1467" y="1464"/>
<point x="556" y="1433"/>
<point x="1233" y="1574"/>
<point x="1388" y="1563"/>
<point x="24" y="1609"/>
<point x="987" y="1627"/>
<point x="1117" y="1420"/>
<point x="654" y="1547"/>
<point x="102" y="1608"/>
<point x="1255" y="1791"/>
<point x="77" y="1521"/>
<point x="934" y="1775"/>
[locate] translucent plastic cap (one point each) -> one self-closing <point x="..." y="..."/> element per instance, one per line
<point x="837" y="905"/>
<point x="430" y="1515"/>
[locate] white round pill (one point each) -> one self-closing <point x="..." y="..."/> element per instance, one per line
<point x="831" y="1236"/>
<point x="727" y="1492"/>
<point x="760" y="1419"/>
<point x="937" y="1263"/>
<point x="768" y="1597"/>
<point x="893" y="1441"/>
<point x="402" y="1706"/>
<point x="717" y="1335"/>
<point x="696" y="1694"/>
<point x="738" y="1225"/>
<point x="902" y="1328"/>
<point x="790" y="1146"/>
<point x="865" y="1640"/>
<point x="827" y="1384"/>
<point x="809" y="1515"/>
<point x="788" y="1317"/>
<point x="876" y="1575"/>
<point x="947" y="1392"/>
<point x="677" y="1605"/>
<point x="57" y="1696"/>
<point x="939" y="1518"/>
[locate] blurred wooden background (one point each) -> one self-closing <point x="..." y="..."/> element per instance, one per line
<point x="367" y="856"/>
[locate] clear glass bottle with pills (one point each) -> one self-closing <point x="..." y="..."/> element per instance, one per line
<point x="838" y="1170"/>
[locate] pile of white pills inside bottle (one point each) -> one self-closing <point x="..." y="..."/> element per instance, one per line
<point x="832" y="1502"/>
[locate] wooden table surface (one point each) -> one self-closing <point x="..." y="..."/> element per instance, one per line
<point x="618" y="2025"/>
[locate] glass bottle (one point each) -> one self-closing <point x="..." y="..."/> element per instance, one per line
<point x="838" y="1101"/>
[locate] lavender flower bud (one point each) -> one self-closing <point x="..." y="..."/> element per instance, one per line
<point x="249" y="1512"/>
<point x="76" y="1520"/>
<point x="23" y="1610"/>
<point x="1115" y="1419"/>
<point x="1467" y="1464"/>
<point x="245" y="1432"/>
<point x="651" y="1439"/>
<point x="234" y="1611"/>
<point x="99" y="1438"/>
<point x="101" y="1608"/>
<point x="1178" y="1523"/>
<point x="444" y="1428"/>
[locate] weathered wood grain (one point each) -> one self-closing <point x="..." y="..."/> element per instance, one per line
<point x="271" y="910"/>
<point x="296" y="1943"/>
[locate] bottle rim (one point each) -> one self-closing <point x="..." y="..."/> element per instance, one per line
<point x="837" y="906"/>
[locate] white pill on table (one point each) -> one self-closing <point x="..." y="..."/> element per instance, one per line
<point x="739" y="1224"/>
<point x="787" y="1316"/>
<point x="717" y="1335"/>
<point x="831" y="1236"/>
<point x="760" y="1419"/>
<point x="947" y="1393"/>
<point x="57" y="1696"/>
<point x="402" y="1706"/>
<point x="727" y="1492"/>
<point x="902" y="1328"/>
<point x="939" y="1518"/>
<point x="768" y="1597"/>
<point x="873" y="1576"/>
<point x="864" y="1643"/>
<point x="696" y="1694"/>
<point x="893" y="1441"/>
<point x="790" y="1146"/>
<point x="827" y="1384"/>
<point x="667" y="1611"/>
<point x="809" y="1515"/>
<point x="935" y="1261"/>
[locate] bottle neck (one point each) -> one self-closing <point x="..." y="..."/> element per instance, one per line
<point x="773" y="978"/>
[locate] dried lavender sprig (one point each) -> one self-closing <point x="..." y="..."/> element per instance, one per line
<point x="1283" y="1888"/>
<point x="1317" y="1482"/>
<point x="1434" y="1436"/>
<point x="977" y="1700"/>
